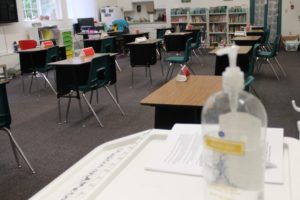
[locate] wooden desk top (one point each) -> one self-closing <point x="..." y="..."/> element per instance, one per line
<point x="140" y="33"/>
<point x="89" y="33"/>
<point x="33" y="50"/>
<point x="242" y="50"/>
<point x="194" y="92"/>
<point x="148" y="41"/>
<point x="179" y="33"/>
<point x="255" y="31"/>
<point x="246" y="38"/>
<point x="100" y="38"/>
<point x="80" y="60"/>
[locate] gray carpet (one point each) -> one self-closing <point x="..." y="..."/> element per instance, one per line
<point x="53" y="148"/>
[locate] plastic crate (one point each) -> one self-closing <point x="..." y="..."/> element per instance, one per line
<point x="291" y="45"/>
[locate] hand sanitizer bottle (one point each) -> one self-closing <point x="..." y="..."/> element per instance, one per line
<point x="234" y="129"/>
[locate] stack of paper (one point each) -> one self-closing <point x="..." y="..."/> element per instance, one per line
<point x="182" y="150"/>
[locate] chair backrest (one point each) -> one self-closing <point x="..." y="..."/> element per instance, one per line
<point x="198" y="38"/>
<point x="275" y="46"/>
<point x="99" y="74"/>
<point x="51" y="56"/>
<point x="142" y="55"/>
<point x="266" y="36"/>
<point x="252" y="60"/>
<point x="107" y="45"/>
<point x="5" y="118"/>
<point x="187" y="50"/>
<point x="27" y="44"/>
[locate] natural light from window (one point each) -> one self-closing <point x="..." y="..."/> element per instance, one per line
<point x="41" y="9"/>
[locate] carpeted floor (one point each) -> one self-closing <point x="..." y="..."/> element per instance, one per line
<point x="53" y="148"/>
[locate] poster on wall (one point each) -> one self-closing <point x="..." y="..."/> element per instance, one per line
<point x="185" y="1"/>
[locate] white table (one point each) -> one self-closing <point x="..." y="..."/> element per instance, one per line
<point x="116" y="171"/>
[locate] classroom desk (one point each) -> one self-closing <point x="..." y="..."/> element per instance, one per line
<point x="71" y="73"/>
<point x="176" y="41"/>
<point x="194" y="33"/>
<point x="243" y="58"/>
<point x="144" y="52"/>
<point x="257" y="32"/>
<point x="130" y="37"/>
<point x="116" y="171"/>
<point x="159" y="30"/>
<point x="181" y="102"/>
<point x="97" y="43"/>
<point x="246" y="40"/>
<point x="30" y="58"/>
<point x="86" y="35"/>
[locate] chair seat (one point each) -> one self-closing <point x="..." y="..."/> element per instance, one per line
<point x="194" y="46"/>
<point x="175" y="59"/>
<point x="264" y="54"/>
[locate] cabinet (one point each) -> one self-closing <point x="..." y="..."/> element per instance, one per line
<point x="126" y="5"/>
<point x="67" y="41"/>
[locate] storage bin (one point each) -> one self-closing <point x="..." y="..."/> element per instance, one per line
<point x="291" y="45"/>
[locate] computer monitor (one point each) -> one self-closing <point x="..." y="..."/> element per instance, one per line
<point x="86" y="23"/>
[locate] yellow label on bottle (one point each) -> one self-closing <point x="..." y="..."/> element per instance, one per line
<point x="225" y="146"/>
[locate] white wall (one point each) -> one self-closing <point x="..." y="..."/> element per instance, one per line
<point x="11" y="32"/>
<point x="290" y="18"/>
<point x="103" y="3"/>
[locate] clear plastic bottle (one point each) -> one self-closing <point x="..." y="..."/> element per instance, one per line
<point x="234" y="127"/>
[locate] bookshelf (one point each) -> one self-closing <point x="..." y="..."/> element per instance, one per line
<point x="219" y="22"/>
<point x="237" y="20"/>
<point x="179" y="18"/>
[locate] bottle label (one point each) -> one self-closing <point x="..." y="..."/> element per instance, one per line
<point x="225" y="146"/>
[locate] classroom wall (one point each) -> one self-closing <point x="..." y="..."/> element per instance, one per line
<point x="290" y="18"/>
<point x="103" y="3"/>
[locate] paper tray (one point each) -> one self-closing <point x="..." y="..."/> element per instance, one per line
<point x="116" y="171"/>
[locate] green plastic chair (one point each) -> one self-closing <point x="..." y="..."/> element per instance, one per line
<point x="268" y="55"/>
<point x="180" y="59"/>
<point x="100" y="75"/>
<point x="5" y="121"/>
<point x="249" y="78"/>
<point x="51" y="56"/>
<point x="107" y="46"/>
<point x="196" y="45"/>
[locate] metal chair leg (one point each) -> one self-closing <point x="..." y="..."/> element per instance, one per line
<point x="118" y="66"/>
<point x="23" y="84"/>
<point x="113" y="98"/>
<point x="116" y="92"/>
<point x="30" y="84"/>
<point x="150" y="74"/>
<point x="80" y="107"/>
<point x="68" y="107"/>
<point x="162" y="68"/>
<point x="280" y="66"/>
<point x="91" y="96"/>
<point x="59" y="110"/>
<point x="132" y="77"/>
<point x="273" y="69"/>
<point x="91" y="108"/>
<point x="47" y="80"/>
<point x="170" y="66"/>
<point x="16" y="145"/>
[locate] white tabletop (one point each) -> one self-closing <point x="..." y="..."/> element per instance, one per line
<point x="116" y="171"/>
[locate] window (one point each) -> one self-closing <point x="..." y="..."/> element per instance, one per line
<point x="41" y="9"/>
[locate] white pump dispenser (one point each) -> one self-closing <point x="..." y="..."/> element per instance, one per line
<point x="233" y="77"/>
<point x="234" y="127"/>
